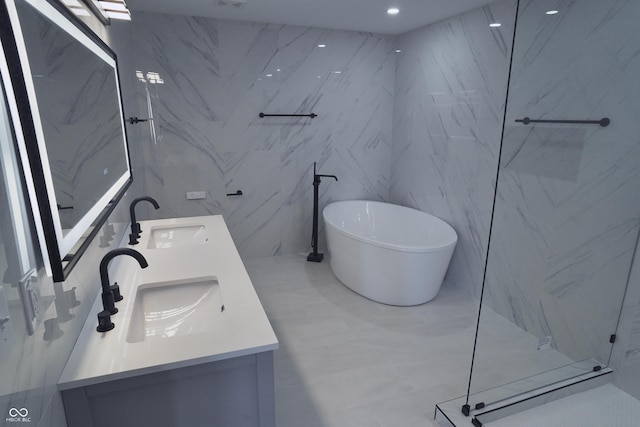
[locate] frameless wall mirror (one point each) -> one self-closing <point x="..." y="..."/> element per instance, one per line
<point x="75" y="154"/>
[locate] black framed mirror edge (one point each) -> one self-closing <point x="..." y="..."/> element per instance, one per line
<point x="43" y="217"/>
<point x="27" y="127"/>
<point x="101" y="220"/>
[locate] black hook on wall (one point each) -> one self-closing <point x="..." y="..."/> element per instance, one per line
<point x="135" y="120"/>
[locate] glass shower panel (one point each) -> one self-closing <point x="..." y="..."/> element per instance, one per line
<point x="567" y="206"/>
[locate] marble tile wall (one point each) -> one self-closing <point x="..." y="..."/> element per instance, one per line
<point x="216" y="77"/>
<point x="625" y="355"/>
<point x="567" y="209"/>
<point x="450" y="91"/>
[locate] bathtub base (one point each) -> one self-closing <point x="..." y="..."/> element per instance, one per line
<point x="387" y="276"/>
<point x="313" y="257"/>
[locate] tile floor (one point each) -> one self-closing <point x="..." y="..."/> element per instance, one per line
<point x="348" y="361"/>
<point x="345" y="361"/>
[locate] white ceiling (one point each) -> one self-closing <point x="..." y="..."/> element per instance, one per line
<point x="357" y="15"/>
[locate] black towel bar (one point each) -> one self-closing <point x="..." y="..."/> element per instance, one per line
<point x="604" y="122"/>
<point x="312" y="115"/>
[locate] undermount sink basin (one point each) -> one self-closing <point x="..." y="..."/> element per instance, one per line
<point x="167" y="309"/>
<point x="174" y="236"/>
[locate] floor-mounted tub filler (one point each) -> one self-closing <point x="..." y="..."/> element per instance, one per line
<point x="388" y="253"/>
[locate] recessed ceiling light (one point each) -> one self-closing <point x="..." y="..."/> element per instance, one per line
<point x="398" y="50"/>
<point x="269" y="75"/>
<point x="393" y="11"/>
<point x="551" y="12"/>
<point x="322" y="45"/>
<point x="495" y="25"/>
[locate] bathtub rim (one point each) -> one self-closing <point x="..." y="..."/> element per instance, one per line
<point x="388" y="245"/>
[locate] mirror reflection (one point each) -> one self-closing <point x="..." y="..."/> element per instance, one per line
<point x="80" y="115"/>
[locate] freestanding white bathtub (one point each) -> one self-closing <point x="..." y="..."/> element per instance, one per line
<point x="388" y="253"/>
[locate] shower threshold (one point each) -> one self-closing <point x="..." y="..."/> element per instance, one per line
<point x="524" y="394"/>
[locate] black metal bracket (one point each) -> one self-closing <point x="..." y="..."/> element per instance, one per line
<point x="604" y="122"/>
<point x="476" y="422"/>
<point x="466" y="410"/>
<point x="62" y="208"/>
<point x="312" y="115"/>
<point x="134" y="120"/>
<point x="612" y="338"/>
<point x="597" y="368"/>
<point x="480" y="405"/>
<point x="237" y="193"/>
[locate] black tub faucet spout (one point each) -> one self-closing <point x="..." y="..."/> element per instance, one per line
<point x="316" y="178"/>
<point x="111" y="293"/>
<point x="135" y="225"/>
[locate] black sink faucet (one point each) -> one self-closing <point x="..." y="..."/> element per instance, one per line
<point x="135" y="225"/>
<point x="111" y="294"/>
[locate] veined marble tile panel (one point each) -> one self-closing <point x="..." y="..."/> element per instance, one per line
<point x="566" y="217"/>
<point x="625" y="355"/>
<point x="449" y="103"/>
<point x="218" y="76"/>
<point x="183" y="160"/>
<point x="182" y="53"/>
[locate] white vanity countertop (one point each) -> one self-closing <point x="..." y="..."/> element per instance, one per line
<point x="242" y="329"/>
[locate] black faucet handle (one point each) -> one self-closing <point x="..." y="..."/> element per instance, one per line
<point x="115" y="289"/>
<point x="104" y="321"/>
<point x="108" y="303"/>
<point x="133" y="239"/>
<point x="72" y="299"/>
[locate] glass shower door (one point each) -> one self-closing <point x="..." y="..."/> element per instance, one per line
<point x="567" y="208"/>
